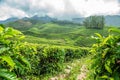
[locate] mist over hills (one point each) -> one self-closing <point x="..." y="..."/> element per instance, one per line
<point x="110" y="20"/>
<point x="9" y="20"/>
<point x="37" y="18"/>
<point x="113" y="20"/>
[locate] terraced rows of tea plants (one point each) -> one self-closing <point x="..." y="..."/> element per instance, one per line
<point x="51" y="51"/>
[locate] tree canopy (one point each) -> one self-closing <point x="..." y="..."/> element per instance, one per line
<point x="94" y="22"/>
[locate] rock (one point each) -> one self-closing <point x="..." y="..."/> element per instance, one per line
<point x="54" y="78"/>
<point x="83" y="70"/>
<point x="73" y="64"/>
<point x="69" y="67"/>
<point x="62" y="76"/>
<point x="82" y="76"/>
<point x="67" y="71"/>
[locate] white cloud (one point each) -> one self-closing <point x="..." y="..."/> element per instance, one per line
<point x="7" y="12"/>
<point x="59" y="8"/>
<point x="72" y="8"/>
<point x="92" y="7"/>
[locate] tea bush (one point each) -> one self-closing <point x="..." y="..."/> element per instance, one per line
<point x="50" y="59"/>
<point x="74" y="53"/>
<point x="106" y="60"/>
<point x="13" y="62"/>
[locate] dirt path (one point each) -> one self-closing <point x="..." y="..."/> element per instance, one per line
<point x="62" y="76"/>
<point x="75" y="70"/>
<point x="83" y="73"/>
<point x="81" y="76"/>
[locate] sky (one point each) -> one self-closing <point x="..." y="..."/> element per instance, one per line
<point x="62" y="9"/>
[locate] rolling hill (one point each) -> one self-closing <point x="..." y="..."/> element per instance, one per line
<point x="46" y="30"/>
<point x="68" y="34"/>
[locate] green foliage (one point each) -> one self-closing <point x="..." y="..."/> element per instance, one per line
<point x="50" y="59"/>
<point x="84" y="41"/>
<point x="12" y="59"/>
<point x="7" y="75"/>
<point x="94" y="22"/>
<point x="106" y="60"/>
<point x="53" y="61"/>
<point x="74" y="53"/>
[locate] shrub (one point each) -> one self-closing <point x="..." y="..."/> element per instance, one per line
<point x="106" y="60"/>
<point x="50" y="59"/>
<point x="74" y="53"/>
<point x="13" y="63"/>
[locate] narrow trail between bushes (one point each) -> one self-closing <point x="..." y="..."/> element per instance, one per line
<point x="81" y="76"/>
<point x="75" y="70"/>
<point x="83" y="73"/>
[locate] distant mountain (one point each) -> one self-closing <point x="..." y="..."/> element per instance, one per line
<point x="44" y="18"/>
<point x="25" y="18"/>
<point x="113" y="20"/>
<point x="9" y="20"/>
<point x="34" y="18"/>
<point x="28" y="22"/>
<point x="78" y="20"/>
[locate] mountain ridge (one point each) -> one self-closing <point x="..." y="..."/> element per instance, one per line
<point x="110" y="20"/>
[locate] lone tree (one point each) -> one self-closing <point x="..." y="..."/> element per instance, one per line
<point x="94" y="22"/>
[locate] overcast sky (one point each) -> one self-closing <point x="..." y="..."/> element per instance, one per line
<point x="62" y="9"/>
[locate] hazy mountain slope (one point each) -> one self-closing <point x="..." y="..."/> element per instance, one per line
<point x="109" y="20"/>
<point x="34" y="18"/>
<point x="8" y="20"/>
<point x="113" y="20"/>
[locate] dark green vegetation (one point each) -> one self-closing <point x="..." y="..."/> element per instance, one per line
<point x="106" y="60"/>
<point x="94" y="22"/>
<point x="48" y="47"/>
<point x="12" y="54"/>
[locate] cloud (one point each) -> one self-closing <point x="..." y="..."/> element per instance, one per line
<point x="7" y="12"/>
<point x="62" y="9"/>
<point x="95" y="7"/>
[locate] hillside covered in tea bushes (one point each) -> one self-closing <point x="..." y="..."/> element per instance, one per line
<point x="23" y="60"/>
